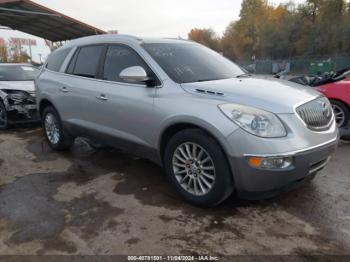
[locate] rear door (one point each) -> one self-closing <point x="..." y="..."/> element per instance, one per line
<point x="80" y="84"/>
<point x="51" y="82"/>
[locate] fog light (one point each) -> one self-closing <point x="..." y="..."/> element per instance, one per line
<point x="270" y="162"/>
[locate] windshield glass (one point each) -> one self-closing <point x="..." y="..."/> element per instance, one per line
<point x="17" y="73"/>
<point x="189" y="62"/>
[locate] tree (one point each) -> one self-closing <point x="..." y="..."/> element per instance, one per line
<point x="312" y="9"/>
<point x="17" y="53"/>
<point x="278" y="33"/>
<point x="322" y="31"/>
<point x="3" y="53"/>
<point x="228" y="44"/>
<point x="332" y="15"/>
<point x="346" y="29"/>
<point x="21" y="57"/>
<point x="248" y="28"/>
<point x="206" y="37"/>
<point x="317" y="27"/>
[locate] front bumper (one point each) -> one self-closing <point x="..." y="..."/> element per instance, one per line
<point x="22" y="113"/>
<point x="309" y="150"/>
<point x="253" y="183"/>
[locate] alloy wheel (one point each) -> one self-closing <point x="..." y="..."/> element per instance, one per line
<point x="194" y="168"/>
<point x="52" y="129"/>
<point x="339" y="115"/>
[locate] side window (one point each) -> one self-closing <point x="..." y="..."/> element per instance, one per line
<point x="56" y="59"/>
<point x="119" y="57"/>
<point x="87" y="61"/>
<point x="72" y="62"/>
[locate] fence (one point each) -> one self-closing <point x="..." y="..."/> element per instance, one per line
<point x="298" y="65"/>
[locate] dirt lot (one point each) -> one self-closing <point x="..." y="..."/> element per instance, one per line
<point x="105" y="202"/>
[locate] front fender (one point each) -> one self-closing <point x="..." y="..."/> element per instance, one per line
<point x="219" y="129"/>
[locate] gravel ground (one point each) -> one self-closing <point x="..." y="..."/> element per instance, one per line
<point x="103" y="201"/>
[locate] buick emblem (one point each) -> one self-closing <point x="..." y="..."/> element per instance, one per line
<point x="326" y="111"/>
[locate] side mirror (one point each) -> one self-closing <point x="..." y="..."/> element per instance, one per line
<point x="135" y="74"/>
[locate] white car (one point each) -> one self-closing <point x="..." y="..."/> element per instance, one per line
<point x="17" y="94"/>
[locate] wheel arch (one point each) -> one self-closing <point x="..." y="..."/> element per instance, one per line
<point x="174" y="128"/>
<point x="43" y="104"/>
<point x="339" y="100"/>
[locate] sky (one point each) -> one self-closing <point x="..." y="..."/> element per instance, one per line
<point x="151" y="18"/>
<point x="157" y="18"/>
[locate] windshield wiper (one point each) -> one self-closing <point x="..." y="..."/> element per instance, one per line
<point x="209" y="79"/>
<point x="244" y="75"/>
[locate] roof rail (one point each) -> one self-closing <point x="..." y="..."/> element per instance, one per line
<point x="127" y="36"/>
<point x="176" y="38"/>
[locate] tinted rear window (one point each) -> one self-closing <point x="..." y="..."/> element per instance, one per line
<point x="56" y="59"/>
<point x="72" y="62"/>
<point x="88" y="61"/>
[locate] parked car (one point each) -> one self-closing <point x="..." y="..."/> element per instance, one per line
<point x="17" y="94"/>
<point x="336" y="87"/>
<point x="212" y="127"/>
<point x="339" y="95"/>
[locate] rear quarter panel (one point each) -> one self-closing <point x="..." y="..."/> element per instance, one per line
<point x="48" y="87"/>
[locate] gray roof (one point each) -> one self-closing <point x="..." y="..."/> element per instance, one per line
<point x="119" y="38"/>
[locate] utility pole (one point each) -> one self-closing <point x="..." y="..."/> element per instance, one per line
<point x="30" y="51"/>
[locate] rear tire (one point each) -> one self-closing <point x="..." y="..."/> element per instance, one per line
<point x="341" y="112"/>
<point x="56" y="135"/>
<point x="3" y="117"/>
<point x="197" y="167"/>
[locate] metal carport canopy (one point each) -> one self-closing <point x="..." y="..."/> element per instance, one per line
<point x="38" y="20"/>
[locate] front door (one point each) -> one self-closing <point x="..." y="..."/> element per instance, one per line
<point x="121" y="110"/>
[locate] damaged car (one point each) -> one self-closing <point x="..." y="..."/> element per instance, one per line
<point x="17" y="94"/>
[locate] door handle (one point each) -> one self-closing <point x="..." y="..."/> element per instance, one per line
<point x="64" y="90"/>
<point x="102" y="97"/>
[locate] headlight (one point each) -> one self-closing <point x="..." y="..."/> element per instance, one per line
<point x="255" y="121"/>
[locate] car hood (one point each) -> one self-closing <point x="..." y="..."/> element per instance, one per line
<point x="270" y="94"/>
<point x="27" y="86"/>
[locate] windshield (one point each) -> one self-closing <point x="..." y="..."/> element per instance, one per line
<point x="18" y="73"/>
<point x="189" y="62"/>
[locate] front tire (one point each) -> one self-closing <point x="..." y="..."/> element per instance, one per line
<point x="341" y="113"/>
<point x="197" y="167"/>
<point x="56" y="136"/>
<point x="3" y="117"/>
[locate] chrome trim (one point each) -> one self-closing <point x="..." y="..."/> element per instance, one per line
<point x="70" y="55"/>
<point x="292" y="153"/>
<point x="304" y="102"/>
<point x="321" y="130"/>
<point x="320" y="166"/>
<point x="106" y="81"/>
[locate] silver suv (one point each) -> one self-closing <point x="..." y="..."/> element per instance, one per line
<point x="213" y="128"/>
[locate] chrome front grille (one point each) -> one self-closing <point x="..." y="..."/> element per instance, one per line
<point x="316" y="114"/>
